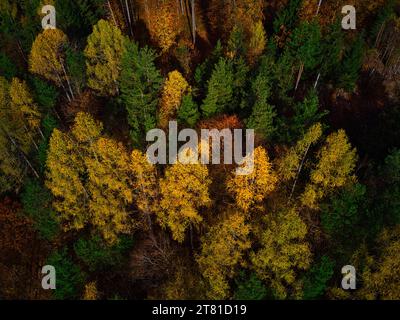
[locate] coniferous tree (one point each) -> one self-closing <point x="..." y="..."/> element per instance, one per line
<point x="188" y="113"/>
<point x="351" y="65"/>
<point x="220" y="89"/>
<point x="140" y="83"/>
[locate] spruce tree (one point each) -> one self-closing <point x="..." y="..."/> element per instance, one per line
<point x="188" y="113"/>
<point x="140" y="83"/>
<point x="220" y="95"/>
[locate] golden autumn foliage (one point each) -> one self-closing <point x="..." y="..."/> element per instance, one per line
<point x="184" y="190"/>
<point x="19" y="123"/>
<point x="65" y="168"/>
<point x="23" y="105"/>
<point x="289" y="165"/>
<point x="243" y="12"/>
<point x="144" y="182"/>
<point x="104" y="50"/>
<point x="251" y="189"/>
<point x="47" y="55"/>
<point x="109" y="188"/>
<point x="258" y="41"/>
<point x="173" y="91"/>
<point x="163" y="24"/>
<point x="185" y="284"/>
<point x="283" y="252"/>
<point x="222" y="251"/>
<point x="336" y="163"/>
<point x="381" y="277"/>
<point x="90" y="177"/>
<point x="90" y="292"/>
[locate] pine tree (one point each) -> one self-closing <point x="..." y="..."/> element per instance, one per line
<point x="315" y="281"/>
<point x="263" y="114"/>
<point x="140" y="83"/>
<point x="341" y="215"/>
<point x="306" y="114"/>
<point x="70" y="277"/>
<point x="305" y="48"/>
<point x="332" y="51"/>
<point x="36" y="201"/>
<point x="7" y="67"/>
<point x="351" y="65"/>
<point x="250" y="288"/>
<point x="220" y="89"/>
<point x="98" y="255"/>
<point x="188" y="113"/>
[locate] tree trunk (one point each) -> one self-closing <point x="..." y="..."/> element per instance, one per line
<point x="299" y="75"/>
<point x="194" y="27"/>
<point x="112" y="13"/>
<point x="298" y="172"/>
<point x="23" y="155"/>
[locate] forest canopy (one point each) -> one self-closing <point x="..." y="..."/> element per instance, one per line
<point x="77" y="190"/>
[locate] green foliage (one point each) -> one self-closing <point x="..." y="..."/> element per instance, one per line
<point x="341" y="216"/>
<point x="97" y="255"/>
<point x="386" y="13"/>
<point x="7" y="67"/>
<point x="250" y="288"/>
<point x="332" y="48"/>
<point x="20" y="22"/>
<point x="388" y="202"/>
<point x="305" y="45"/>
<point x="236" y="42"/>
<point x="78" y="16"/>
<point x="283" y="78"/>
<point x="305" y="114"/>
<point x="226" y="87"/>
<point x="263" y="114"/>
<point x="49" y="123"/>
<point x="315" y="280"/>
<point x="188" y="113"/>
<point x="45" y="94"/>
<point x="70" y="278"/>
<point x="37" y="204"/>
<point x="220" y="89"/>
<point x="204" y="70"/>
<point x="351" y="65"/>
<point x="75" y="60"/>
<point x="140" y="83"/>
<point x="287" y="17"/>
